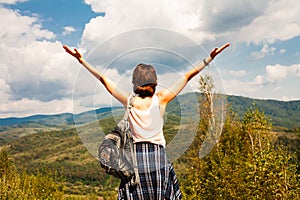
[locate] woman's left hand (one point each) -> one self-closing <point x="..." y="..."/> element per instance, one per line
<point x="217" y="50"/>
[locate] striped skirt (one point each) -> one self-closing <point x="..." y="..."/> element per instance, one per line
<point x="157" y="177"/>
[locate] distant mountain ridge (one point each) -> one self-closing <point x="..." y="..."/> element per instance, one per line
<point x="52" y="142"/>
<point x="283" y="113"/>
<point x="58" y="119"/>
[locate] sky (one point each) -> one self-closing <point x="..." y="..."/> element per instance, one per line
<point x="38" y="77"/>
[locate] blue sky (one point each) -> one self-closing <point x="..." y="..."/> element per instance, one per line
<point x="55" y="15"/>
<point x="38" y="77"/>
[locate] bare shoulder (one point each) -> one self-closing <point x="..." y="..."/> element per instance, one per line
<point x="163" y="101"/>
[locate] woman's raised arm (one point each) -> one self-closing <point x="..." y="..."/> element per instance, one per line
<point x="166" y="95"/>
<point x="110" y="86"/>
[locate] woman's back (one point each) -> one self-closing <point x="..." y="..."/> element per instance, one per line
<point x="146" y="121"/>
<point x="142" y="103"/>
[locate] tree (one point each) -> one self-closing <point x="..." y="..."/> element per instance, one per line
<point x="270" y="173"/>
<point x="244" y="164"/>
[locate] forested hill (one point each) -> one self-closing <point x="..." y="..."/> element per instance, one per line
<point x="283" y="113"/>
<point x="50" y="144"/>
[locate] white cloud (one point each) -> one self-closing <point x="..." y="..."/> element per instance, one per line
<point x="40" y="70"/>
<point x="229" y="15"/>
<point x="237" y="87"/>
<point x="35" y="70"/>
<point x="295" y="70"/>
<point x="27" y="107"/>
<point x="202" y="20"/>
<point x="4" y="91"/>
<point x="17" y="30"/>
<point x="277" y="73"/>
<point x="280" y="21"/>
<point x="278" y="82"/>
<point x="282" y="51"/>
<point x="262" y="22"/>
<point x="265" y="51"/>
<point x="122" y="16"/>
<point x="290" y="98"/>
<point x="259" y="80"/>
<point x="230" y="20"/>
<point x="97" y="6"/>
<point x="11" y="1"/>
<point x="68" y="30"/>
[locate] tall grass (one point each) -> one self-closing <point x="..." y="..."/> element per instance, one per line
<point x="15" y="185"/>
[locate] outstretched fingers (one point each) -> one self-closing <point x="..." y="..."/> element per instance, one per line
<point x="223" y="47"/>
<point x="68" y="50"/>
<point x="74" y="53"/>
<point x="217" y="50"/>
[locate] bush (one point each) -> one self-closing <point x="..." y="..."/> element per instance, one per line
<point x="243" y="165"/>
<point x="16" y="185"/>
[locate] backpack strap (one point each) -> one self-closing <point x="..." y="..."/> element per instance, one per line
<point x="129" y="106"/>
<point x="136" y="178"/>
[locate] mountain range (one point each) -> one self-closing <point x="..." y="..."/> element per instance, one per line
<point x="52" y="143"/>
<point x="282" y="113"/>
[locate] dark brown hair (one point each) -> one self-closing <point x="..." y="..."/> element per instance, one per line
<point x="144" y="80"/>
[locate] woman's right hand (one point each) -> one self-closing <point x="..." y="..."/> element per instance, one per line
<point x="74" y="53"/>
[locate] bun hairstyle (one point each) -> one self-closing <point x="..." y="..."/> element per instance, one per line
<point x="144" y="80"/>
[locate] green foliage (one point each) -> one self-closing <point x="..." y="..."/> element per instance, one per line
<point x="63" y="154"/>
<point x="16" y="185"/>
<point x="244" y="165"/>
<point x="255" y="126"/>
<point x="249" y="162"/>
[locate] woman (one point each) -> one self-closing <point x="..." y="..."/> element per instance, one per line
<point x="157" y="176"/>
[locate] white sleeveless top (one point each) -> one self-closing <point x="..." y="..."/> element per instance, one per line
<point x="147" y="125"/>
